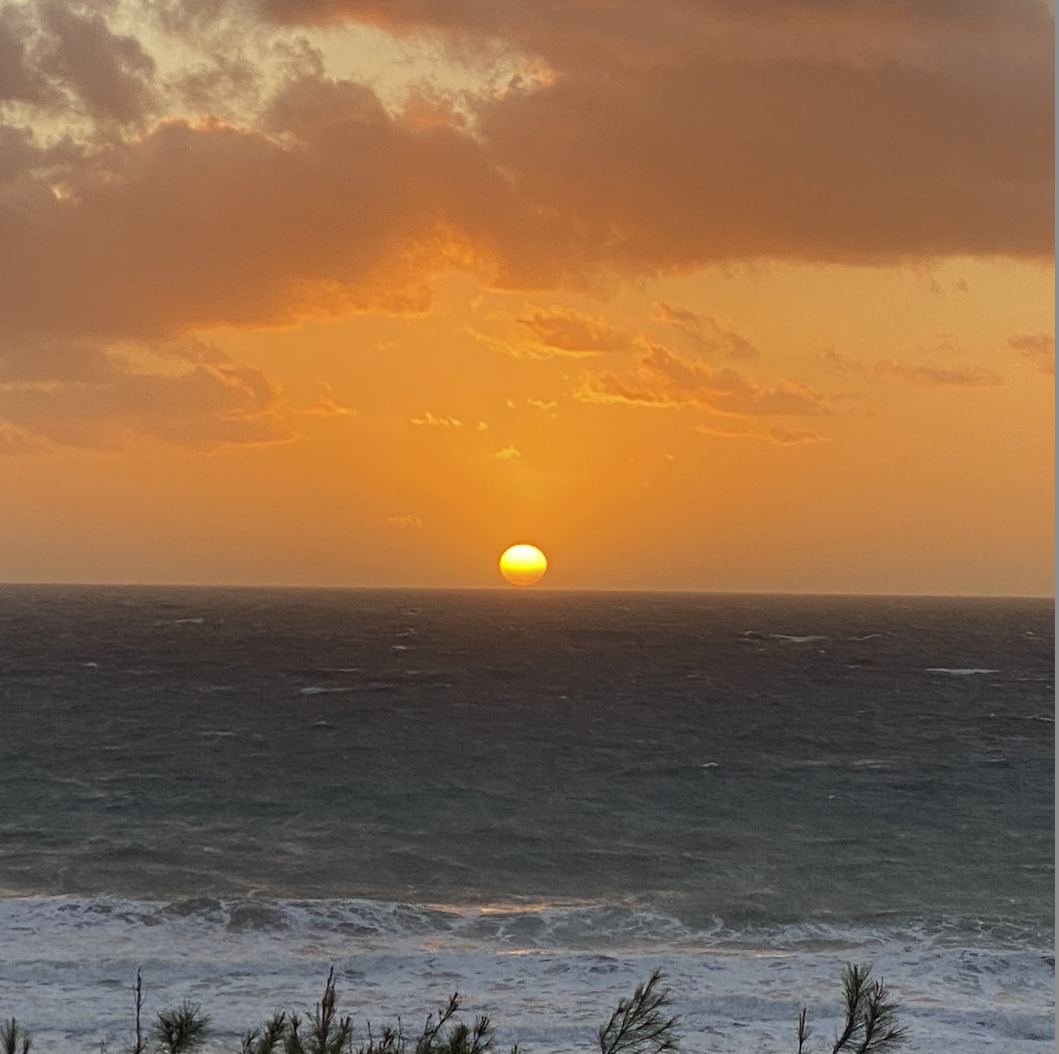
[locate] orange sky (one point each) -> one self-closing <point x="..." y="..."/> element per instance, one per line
<point x="699" y="294"/>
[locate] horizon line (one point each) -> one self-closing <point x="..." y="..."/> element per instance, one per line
<point x="510" y="589"/>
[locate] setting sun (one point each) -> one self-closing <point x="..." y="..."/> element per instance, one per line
<point x="522" y="565"/>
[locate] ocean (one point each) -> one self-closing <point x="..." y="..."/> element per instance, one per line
<point x="532" y="797"/>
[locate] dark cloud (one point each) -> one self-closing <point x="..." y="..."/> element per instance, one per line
<point x="20" y="81"/>
<point x="193" y="226"/>
<point x="327" y="203"/>
<point x="678" y="168"/>
<point x="539" y="20"/>
<point x="110" y="73"/>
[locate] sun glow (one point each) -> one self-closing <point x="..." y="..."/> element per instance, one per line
<point x="522" y="565"/>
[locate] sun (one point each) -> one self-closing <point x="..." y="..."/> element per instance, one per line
<point x="522" y="565"/>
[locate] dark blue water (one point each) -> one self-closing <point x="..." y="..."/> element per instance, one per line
<point x="762" y="760"/>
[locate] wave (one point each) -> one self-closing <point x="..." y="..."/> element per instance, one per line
<point x="517" y="926"/>
<point x="959" y="672"/>
<point x="547" y="974"/>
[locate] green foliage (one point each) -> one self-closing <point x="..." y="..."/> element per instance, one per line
<point x="442" y="1034"/>
<point x="181" y="1030"/>
<point x="870" y="1025"/>
<point x="265" y="1040"/>
<point x="638" y="1024"/>
<point x="328" y="1033"/>
<point x="14" y="1039"/>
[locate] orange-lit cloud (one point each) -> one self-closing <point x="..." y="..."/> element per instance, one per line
<point x="705" y="332"/>
<point x="779" y="436"/>
<point x="570" y="330"/>
<point x="838" y="362"/>
<point x="1038" y="348"/>
<point x="250" y="187"/>
<point x="202" y="406"/>
<point x="663" y="378"/>
<point x="638" y="159"/>
<point x="939" y="376"/>
<point x="328" y="407"/>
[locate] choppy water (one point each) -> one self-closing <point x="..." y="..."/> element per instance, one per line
<point x="534" y="797"/>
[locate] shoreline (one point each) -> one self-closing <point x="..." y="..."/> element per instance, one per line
<point x="67" y="976"/>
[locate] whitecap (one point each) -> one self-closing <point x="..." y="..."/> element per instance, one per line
<point x="548" y="975"/>
<point x="959" y="672"/>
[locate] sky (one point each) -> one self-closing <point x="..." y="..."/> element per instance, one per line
<point x="736" y="295"/>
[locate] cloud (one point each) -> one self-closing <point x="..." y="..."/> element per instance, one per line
<point x="939" y="376"/>
<point x="665" y="379"/>
<point x="706" y="332"/>
<point x="507" y="453"/>
<point x="524" y="349"/>
<point x="325" y="406"/>
<point x="669" y="139"/>
<point x="437" y="421"/>
<point x="778" y="436"/>
<point x="740" y="23"/>
<point x="251" y="188"/>
<point x="96" y="398"/>
<point x="838" y="362"/>
<point x="406" y="521"/>
<point x="1038" y="348"/>
<point x="20" y="80"/>
<point x="569" y="330"/>
<point x="109" y="73"/>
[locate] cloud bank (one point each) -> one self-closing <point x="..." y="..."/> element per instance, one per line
<point x="172" y="167"/>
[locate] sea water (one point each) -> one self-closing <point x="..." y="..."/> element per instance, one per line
<point x="534" y="798"/>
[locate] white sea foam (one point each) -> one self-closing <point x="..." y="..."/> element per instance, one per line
<point x="967" y="672"/>
<point x="546" y="975"/>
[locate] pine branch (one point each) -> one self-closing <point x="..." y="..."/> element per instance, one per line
<point x="139" y="1047"/>
<point x="330" y="1034"/>
<point x="871" y="1018"/>
<point x="804" y="1032"/>
<point x="265" y="1041"/>
<point x="428" y="1042"/>
<point x="183" y="1029"/>
<point x="854" y="990"/>
<point x="14" y="1039"/>
<point x="638" y="1025"/>
<point x="880" y="1021"/>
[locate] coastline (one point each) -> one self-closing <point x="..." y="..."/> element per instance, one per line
<point x="70" y="962"/>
